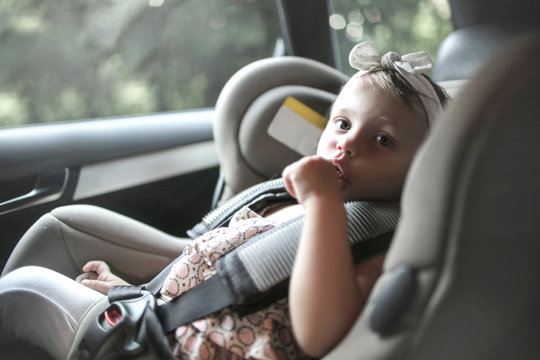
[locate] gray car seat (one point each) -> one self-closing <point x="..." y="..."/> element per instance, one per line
<point x="247" y="104"/>
<point x="481" y="27"/>
<point x="461" y="277"/>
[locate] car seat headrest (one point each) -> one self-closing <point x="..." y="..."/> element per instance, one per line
<point x="469" y="228"/>
<point x="481" y="28"/>
<point x="463" y="51"/>
<point x="248" y="103"/>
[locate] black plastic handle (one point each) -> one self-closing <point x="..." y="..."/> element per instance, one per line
<point x="49" y="187"/>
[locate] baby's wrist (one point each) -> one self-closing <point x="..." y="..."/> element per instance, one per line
<point x="322" y="200"/>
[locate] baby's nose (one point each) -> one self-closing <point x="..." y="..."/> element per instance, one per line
<point x="347" y="145"/>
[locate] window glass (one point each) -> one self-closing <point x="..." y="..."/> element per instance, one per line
<point x="403" y="26"/>
<point x="78" y="59"/>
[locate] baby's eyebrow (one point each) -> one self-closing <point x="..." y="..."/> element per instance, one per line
<point x="388" y="120"/>
<point x="343" y="110"/>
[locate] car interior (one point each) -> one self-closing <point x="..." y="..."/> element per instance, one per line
<point x="459" y="278"/>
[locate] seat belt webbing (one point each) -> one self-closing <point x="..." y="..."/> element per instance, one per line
<point x="206" y="298"/>
<point x="264" y="262"/>
<point x="268" y="263"/>
<point x="155" y="284"/>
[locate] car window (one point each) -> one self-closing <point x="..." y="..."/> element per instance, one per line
<point x="403" y="26"/>
<point x="78" y="59"/>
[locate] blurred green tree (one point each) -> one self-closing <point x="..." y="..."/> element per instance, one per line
<point x="403" y="26"/>
<point x="75" y="59"/>
<point x="78" y="59"/>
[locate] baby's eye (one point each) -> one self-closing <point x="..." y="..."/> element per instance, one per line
<point x="343" y="124"/>
<point x="384" y="140"/>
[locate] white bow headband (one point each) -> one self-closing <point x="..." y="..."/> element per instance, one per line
<point x="365" y="56"/>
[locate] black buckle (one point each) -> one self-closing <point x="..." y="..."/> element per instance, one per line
<point x="124" y="330"/>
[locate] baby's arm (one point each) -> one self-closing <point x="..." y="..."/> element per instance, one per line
<point x="325" y="295"/>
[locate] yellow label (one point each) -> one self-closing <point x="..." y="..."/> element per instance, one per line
<point x="305" y="111"/>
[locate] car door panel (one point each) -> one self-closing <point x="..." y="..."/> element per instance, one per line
<point x="159" y="169"/>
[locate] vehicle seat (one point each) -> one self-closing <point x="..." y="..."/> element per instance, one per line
<point x="481" y="28"/>
<point x="461" y="277"/>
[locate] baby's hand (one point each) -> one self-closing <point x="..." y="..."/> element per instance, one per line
<point x="311" y="176"/>
<point x="99" y="277"/>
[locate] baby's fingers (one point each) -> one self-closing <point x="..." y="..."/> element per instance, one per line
<point x="97" y="266"/>
<point x="101" y="286"/>
<point x="287" y="181"/>
<point x="87" y="275"/>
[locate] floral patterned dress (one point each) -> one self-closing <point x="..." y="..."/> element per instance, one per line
<point x="265" y="334"/>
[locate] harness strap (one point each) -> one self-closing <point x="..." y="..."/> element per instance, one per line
<point x="256" y="197"/>
<point x="156" y="283"/>
<point x="257" y="273"/>
<point x="204" y="299"/>
<point x="268" y="263"/>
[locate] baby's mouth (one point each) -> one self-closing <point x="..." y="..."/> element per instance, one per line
<point x="342" y="178"/>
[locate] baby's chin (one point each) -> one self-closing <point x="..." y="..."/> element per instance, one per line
<point x="343" y="184"/>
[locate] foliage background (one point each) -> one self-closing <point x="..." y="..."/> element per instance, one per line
<point x="81" y="59"/>
<point x="403" y="26"/>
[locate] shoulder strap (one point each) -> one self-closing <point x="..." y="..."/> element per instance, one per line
<point x="256" y="197"/>
<point x="257" y="272"/>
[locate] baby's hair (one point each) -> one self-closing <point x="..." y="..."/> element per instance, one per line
<point x="393" y="83"/>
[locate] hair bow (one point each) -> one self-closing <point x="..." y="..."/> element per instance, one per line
<point x="365" y="56"/>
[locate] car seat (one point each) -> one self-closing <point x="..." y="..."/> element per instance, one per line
<point x="247" y="105"/>
<point x="481" y="27"/>
<point x="461" y="277"/>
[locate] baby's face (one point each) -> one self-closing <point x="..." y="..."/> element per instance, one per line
<point x="371" y="139"/>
